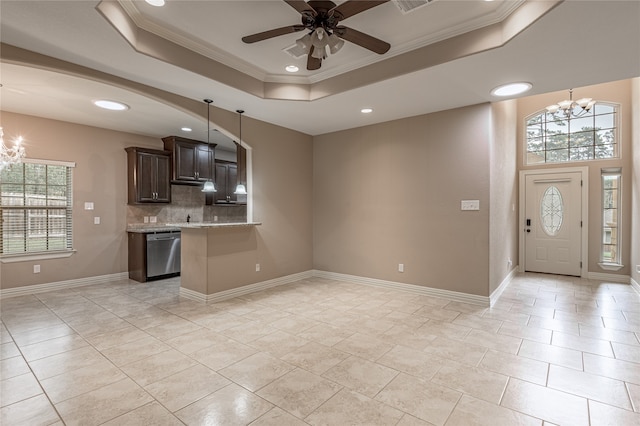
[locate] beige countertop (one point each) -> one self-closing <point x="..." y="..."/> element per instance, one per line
<point x="150" y="228"/>
<point x="213" y="224"/>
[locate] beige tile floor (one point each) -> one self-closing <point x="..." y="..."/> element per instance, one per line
<point x="552" y="350"/>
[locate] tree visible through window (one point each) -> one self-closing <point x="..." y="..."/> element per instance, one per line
<point x="611" y="182"/>
<point x="35" y="207"/>
<point x="587" y="135"/>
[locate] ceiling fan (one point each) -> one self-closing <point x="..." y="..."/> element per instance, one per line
<point x="321" y="19"/>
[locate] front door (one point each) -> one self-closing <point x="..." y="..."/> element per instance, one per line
<point x="553" y="221"/>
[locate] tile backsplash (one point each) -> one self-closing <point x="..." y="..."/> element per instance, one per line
<point x="187" y="201"/>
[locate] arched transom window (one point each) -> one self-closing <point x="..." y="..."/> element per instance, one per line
<point x="581" y="135"/>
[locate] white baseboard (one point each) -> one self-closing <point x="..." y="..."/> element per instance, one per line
<point x="635" y="285"/>
<point x="600" y="276"/>
<point x="411" y="288"/>
<point x="240" y="291"/>
<point x="493" y="297"/>
<point x="60" y="285"/>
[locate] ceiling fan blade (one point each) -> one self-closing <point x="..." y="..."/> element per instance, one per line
<point x="313" y="63"/>
<point x="301" y="6"/>
<point x="362" y="39"/>
<point x="353" y="7"/>
<point x="272" y="33"/>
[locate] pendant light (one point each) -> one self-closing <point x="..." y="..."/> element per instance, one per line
<point x="241" y="189"/>
<point x="209" y="185"/>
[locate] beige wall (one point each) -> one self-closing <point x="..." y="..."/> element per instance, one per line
<point x="618" y="92"/>
<point x="282" y="197"/>
<point x="100" y="177"/>
<point x="503" y="216"/>
<point x="635" y="184"/>
<point x="390" y="193"/>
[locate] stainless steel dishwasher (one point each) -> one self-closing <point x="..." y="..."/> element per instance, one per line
<point x="163" y="254"/>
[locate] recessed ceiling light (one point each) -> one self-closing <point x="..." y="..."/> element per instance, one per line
<point x="111" y="105"/>
<point x="186" y="129"/>
<point x="366" y="110"/>
<point x="155" y="2"/>
<point x="511" y="89"/>
<point x="292" y="68"/>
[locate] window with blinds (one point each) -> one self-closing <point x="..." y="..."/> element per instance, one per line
<point x="36" y="208"/>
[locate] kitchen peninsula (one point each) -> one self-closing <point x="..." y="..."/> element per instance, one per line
<point x="217" y="258"/>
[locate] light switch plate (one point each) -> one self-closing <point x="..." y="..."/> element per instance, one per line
<point x="470" y="205"/>
<point x="88" y="205"/>
<point x="96" y="220"/>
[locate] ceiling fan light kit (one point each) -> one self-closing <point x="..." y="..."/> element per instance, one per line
<point x="320" y="18"/>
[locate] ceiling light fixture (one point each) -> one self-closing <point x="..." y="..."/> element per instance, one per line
<point x="572" y="108"/>
<point x="13" y="155"/>
<point x="241" y="189"/>
<point x="209" y="185"/>
<point x="186" y="129"/>
<point x="366" y="110"/>
<point x="111" y="105"/>
<point x="512" y="89"/>
<point x="291" y="68"/>
<point x="317" y="41"/>
<point x="157" y="3"/>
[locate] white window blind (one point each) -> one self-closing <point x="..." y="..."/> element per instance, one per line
<point x="36" y="207"/>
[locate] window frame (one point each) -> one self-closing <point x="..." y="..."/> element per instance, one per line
<point x="68" y="217"/>
<point x="617" y="111"/>
<point x="611" y="264"/>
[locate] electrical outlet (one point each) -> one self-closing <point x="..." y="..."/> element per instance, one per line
<point x="257" y="267"/>
<point x="509" y="262"/>
<point x="215" y="218"/>
<point x="146" y="219"/>
<point x="400" y="267"/>
<point x="36" y="269"/>
<point x="638" y="269"/>
<point x="153" y="219"/>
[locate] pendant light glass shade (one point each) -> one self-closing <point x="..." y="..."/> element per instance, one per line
<point x="241" y="189"/>
<point x="209" y="186"/>
<point x="319" y="52"/>
<point x="335" y="43"/>
<point x="304" y="42"/>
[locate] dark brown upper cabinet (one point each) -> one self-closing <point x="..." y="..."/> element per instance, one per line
<point x="226" y="181"/>
<point x="193" y="161"/>
<point x="149" y="174"/>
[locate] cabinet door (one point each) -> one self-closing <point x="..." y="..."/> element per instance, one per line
<point x="232" y="181"/>
<point x="221" y="183"/>
<point x="204" y="163"/>
<point x="146" y="177"/>
<point x="185" y="161"/>
<point x="163" y="176"/>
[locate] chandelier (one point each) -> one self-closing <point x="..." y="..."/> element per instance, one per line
<point x="571" y="108"/>
<point x="10" y="156"/>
